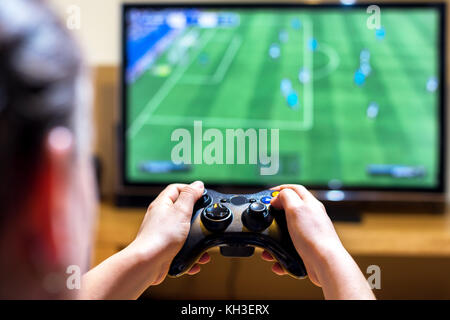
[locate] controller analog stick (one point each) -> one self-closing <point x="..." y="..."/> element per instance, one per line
<point x="257" y="210"/>
<point x="204" y="200"/>
<point x="216" y="217"/>
<point x="257" y="218"/>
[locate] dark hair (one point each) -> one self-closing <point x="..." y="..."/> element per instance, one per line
<point x="39" y="66"/>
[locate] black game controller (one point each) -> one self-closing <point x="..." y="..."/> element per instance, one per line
<point x="238" y="224"/>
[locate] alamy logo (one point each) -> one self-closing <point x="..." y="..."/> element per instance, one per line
<point x="374" y="279"/>
<point x="374" y="20"/>
<point x="74" y="17"/>
<point x="73" y="281"/>
<point x="235" y="147"/>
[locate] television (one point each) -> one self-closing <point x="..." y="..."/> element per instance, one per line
<point x="346" y="100"/>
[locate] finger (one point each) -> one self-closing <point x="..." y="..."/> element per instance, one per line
<point x="277" y="188"/>
<point x="188" y="196"/>
<point x="287" y="199"/>
<point x="278" y="269"/>
<point x="267" y="256"/>
<point x="313" y="277"/>
<point x="299" y="189"/>
<point x="194" y="270"/>
<point x="160" y="278"/>
<point x="205" y="258"/>
<point x="170" y="193"/>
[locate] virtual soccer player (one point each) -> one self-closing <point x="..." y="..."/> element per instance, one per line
<point x="47" y="190"/>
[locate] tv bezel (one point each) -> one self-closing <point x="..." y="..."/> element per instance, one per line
<point x="127" y="188"/>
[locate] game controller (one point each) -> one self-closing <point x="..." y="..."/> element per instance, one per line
<point x="237" y="223"/>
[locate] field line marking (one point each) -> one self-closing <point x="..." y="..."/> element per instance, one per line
<point x="333" y="63"/>
<point x="168" y="85"/>
<point x="227" y="59"/>
<point x="221" y="69"/>
<point x="215" y="122"/>
<point x="308" y="113"/>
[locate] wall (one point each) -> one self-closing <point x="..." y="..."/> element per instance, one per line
<point x="99" y="28"/>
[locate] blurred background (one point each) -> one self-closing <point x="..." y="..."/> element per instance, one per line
<point x="412" y="249"/>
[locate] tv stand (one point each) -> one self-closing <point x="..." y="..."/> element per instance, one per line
<point x="344" y="214"/>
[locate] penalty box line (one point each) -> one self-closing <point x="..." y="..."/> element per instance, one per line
<point x="308" y="62"/>
<point x="308" y="114"/>
<point x="214" y="122"/>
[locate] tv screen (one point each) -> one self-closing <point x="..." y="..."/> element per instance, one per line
<point x="330" y="97"/>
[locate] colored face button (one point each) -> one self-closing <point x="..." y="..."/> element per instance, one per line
<point x="266" y="200"/>
<point x="275" y="193"/>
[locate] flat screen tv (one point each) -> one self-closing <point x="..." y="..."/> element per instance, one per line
<point x="346" y="100"/>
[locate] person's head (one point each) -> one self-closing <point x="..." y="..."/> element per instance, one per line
<point x="47" y="192"/>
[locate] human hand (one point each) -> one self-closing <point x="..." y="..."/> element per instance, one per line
<point x="166" y="226"/>
<point x="309" y="226"/>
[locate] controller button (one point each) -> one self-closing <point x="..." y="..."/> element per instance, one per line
<point x="257" y="218"/>
<point x="257" y="209"/>
<point x="217" y="212"/>
<point x="251" y="200"/>
<point x="266" y="200"/>
<point x="204" y="200"/>
<point x="275" y="193"/>
<point x="223" y="200"/>
<point x="216" y="217"/>
<point x="239" y="200"/>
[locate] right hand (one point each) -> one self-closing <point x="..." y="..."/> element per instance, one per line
<point x="166" y="226"/>
<point x="309" y="226"/>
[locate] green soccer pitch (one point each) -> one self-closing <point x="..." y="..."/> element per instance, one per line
<point x="228" y="80"/>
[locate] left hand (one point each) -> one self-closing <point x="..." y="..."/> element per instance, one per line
<point x="166" y="226"/>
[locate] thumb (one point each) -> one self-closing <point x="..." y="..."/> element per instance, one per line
<point x="290" y="201"/>
<point x="189" y="195"/>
